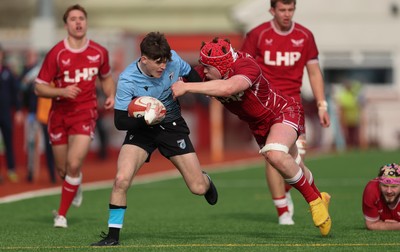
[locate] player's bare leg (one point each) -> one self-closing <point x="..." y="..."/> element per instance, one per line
<point x="276" y="152"/>
<point x="72" y="155"/>
<point x="130" y="160"/>
<point x="198" y="181"/>
<point x="276" y="185"/>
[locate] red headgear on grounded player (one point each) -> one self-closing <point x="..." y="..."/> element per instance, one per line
<point x="389" y="174"/>
<point x="219" y="54"/>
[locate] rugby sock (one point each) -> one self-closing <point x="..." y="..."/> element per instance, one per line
<point x="281" y="205"/>
<point x="301" y="184"/>
<point x="287" y="187"/>
<point x="69" y="188"/>
<point x="314" y="187"/>
<point x="115" y="220"/>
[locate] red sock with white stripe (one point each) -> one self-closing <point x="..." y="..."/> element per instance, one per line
<point x="300" y="182"/>
<point x="68" y="192"/>
<point x="314" y="187"/>
<point x="281" y="205"/>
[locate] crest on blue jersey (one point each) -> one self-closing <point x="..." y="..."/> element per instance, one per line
<point x="171" y="76"/>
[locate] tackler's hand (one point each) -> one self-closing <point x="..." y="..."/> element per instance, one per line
<point x="178" y="89"/>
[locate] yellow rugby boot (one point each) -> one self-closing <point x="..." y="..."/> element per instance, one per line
<point x="326" y="198"/>
<point x="325" y="227"/>
<point x="320" y="216"/>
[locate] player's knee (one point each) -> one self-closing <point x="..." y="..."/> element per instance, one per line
<point x="74" y="168"/>
<point x="199" y="188"/>
<point x="274" y="152"/>
<point x="274" y="156"/>
<point x="121" y="183"/>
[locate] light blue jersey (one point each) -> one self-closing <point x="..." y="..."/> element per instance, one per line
<point x="133" y="83"/>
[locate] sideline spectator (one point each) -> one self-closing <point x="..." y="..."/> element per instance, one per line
<point x="10" y="102"/>
<point x="349" y="104"/>
<point x="36" y="121"/>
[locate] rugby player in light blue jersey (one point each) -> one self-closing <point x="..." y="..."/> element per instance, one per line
<point x="152" y="75"/>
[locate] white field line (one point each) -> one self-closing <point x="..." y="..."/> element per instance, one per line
<point x="212" y="246"/>
<point x="140" y="179"/>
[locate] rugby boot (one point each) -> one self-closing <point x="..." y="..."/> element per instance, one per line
<point x="212" y="194"/>
<point x="106" y="240"/>
<point x="320" y="216"/>
<point x="326" y="198"/>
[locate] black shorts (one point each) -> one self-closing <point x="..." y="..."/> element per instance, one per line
<point x="171" y="138"/>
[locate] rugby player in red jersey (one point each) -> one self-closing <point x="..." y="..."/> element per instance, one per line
<point x="68" y="76"/>
<point x="236" y="80"/>
<point x="283" y="48"/>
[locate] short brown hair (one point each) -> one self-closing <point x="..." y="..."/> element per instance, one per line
<point x="274" y="2"/>
<point x="71" y="8"/>
<point x="155" y="46"/>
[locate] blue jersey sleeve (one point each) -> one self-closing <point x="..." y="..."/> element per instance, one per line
<point x="125" y="89"/>
<point x="183" y="65"/>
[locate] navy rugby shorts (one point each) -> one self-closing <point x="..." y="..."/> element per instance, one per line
<point x="170" y="138"/>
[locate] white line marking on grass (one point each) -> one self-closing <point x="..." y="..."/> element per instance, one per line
<point x="208" y="245"/>
<point x="141" y="179"/>
<point x="148" y="178"/>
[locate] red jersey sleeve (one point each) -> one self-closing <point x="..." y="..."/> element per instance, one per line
<point x="104" y="69"/>
<point x="247" y="67"/>
<point x="371" y="195"/>
<point x="48" y="71"/>
<point x="250" y="44"/>
<point x="312" y="49"/>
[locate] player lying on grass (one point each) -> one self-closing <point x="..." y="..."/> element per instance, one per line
<point x="236" y="80"/>
<point x="381" y="198"/>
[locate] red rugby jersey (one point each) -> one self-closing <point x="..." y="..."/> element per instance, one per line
<point x="282" y="55"/>
<point x="259" y="105"/>
<point x="65" y="66"/>
<point x="374" y="206"/>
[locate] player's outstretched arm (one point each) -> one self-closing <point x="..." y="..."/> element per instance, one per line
<point x="382" y="225"/>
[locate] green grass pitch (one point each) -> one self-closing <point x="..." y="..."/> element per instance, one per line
<point x="165" y="216"/>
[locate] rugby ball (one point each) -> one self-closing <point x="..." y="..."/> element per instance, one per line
<point x="137" y="106"/>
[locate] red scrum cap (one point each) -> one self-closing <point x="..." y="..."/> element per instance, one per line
<point x="219" y="54"/>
